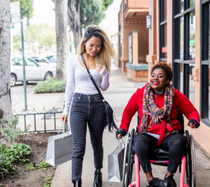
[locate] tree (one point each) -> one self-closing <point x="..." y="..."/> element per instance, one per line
<point x="32" y="34"/>
<point x="91" y="12"/>
<point x="42" y="34"/>
<point x="106" y="3"/>
<point x="88" y="12"/>
<point x="49" y="39"/>
<point x="5" y="98"/>
<point x="74" y="19"/>
<point x="61" y="37"/>
<point x="26" y="7"/>
<point x="17" y="45"/>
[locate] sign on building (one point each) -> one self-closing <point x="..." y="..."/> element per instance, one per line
<point x="15" y="12"/>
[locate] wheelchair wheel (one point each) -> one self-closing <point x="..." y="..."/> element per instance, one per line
<point x="193" y="161"/>
<point x="125" y="160"/>
<point x="190" y="161"/>
<point x="130" y="160"/>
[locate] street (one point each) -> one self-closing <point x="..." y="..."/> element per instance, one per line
<point x="17" y="91"/>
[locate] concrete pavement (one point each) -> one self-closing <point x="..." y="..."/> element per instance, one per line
<point x="118" y="94"/>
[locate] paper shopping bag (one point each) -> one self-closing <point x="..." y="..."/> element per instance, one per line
<point x="115" y="163"/>
<point x="59" y="148"/>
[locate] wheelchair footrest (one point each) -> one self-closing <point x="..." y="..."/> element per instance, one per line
<point x="159" y="161"/>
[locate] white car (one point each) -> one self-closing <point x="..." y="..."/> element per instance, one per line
<point x="33" y="71"/>
<point x="40" y="60"/>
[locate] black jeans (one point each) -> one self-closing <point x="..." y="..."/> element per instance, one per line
<point x="145" y="144"/>
<point x="86" y="110"/>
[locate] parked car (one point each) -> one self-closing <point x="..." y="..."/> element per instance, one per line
<point x="52" y="58"/>
<point x="33" y="70"/>
<point x="40" y="59"/>
<point x="43" y="61"/>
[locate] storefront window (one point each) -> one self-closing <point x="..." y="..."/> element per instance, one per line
<point x="209" y="32"/>
<point x="179" y="6"/>
<point x="205" y="61"/>
<point x="192" y="36"/>
<point x="165" y="9"/>
<point x="192" y="3"/>
<point x="163" y="29"/>
<point x="181" y="38"/>
<point x="181" y="78"/>
<point x="121" y="45"/>
<point x="184" y="47"/>
<point x="192" y="89"/>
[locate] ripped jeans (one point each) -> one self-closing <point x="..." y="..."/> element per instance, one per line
<point x="145" y="144"/>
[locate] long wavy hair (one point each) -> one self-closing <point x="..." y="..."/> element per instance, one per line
<point x="106" y="53"/>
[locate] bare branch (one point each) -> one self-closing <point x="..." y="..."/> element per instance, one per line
<point x="78" y="8"/>
<point x="73" y="8"/>
<point x="70" y="23"/>
<point x="70" y="13"/>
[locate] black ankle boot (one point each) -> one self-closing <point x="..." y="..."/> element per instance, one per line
<point x="155" y="182"/>
<point x="97" y="178"/>
<point x="171" y="181"/>
<point x="77" y="183"/>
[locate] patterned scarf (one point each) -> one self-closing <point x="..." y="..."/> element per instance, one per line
<point x="153" y="114"/>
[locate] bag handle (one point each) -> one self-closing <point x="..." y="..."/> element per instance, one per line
<point x="117" y="142"/>
<point x="91" y="77"/>
<point x="64" y="129"/>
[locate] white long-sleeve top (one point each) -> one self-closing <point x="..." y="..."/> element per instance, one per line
<point x="78" y="81"/>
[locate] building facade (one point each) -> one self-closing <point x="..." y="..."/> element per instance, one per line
<point x="180" y="36"/>
<point x="133" y="39"/>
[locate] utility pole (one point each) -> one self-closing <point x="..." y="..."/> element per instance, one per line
<point x="16" y="18"/>
<point x="24" y="69"/>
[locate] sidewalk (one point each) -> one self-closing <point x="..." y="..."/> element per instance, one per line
<point x="118" y="94"/>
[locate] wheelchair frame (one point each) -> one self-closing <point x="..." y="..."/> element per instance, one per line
<point x="187" y="165"/>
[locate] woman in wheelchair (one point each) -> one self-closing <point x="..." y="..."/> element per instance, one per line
<point x="157" y="104"/>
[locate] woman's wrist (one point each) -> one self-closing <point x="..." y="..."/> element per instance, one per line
<point x="104" y="72"/>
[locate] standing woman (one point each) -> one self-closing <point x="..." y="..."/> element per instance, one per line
<point x="87" y="108"/>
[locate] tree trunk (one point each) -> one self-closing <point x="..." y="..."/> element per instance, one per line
<point x="74" y="19"/>
<point x="61" y="37"/>
<point x="77" y="37"/>
<point x="5" y="97"/>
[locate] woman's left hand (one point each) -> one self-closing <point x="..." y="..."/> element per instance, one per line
<point x="99" y="67"/>
<point x="193" y="123"/>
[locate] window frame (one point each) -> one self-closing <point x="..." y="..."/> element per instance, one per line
<point x="176" y="62"/>
<point x="162" y="25"/>
<point x="204" y="61"/>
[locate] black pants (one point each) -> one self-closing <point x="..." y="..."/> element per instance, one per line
<point x="86" y="110"/>
<point x="145" y="144"/>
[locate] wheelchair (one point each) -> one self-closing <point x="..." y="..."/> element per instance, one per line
<point x="160" y="157"/>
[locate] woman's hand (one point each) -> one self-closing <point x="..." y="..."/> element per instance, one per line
<point x="99" y="67"/>
<point x="64" y="118"/>
<point x="119" y="136"/>
<point x="193" y="123"/>
<point x="120" y="133"/>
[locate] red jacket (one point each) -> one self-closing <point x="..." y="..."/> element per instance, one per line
<point x="179" y="101"/>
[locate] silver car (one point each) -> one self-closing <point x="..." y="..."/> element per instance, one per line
<point x="33" y="71"/>
<point x="39" y="60"/>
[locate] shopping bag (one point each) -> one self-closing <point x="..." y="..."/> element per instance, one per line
<point x="59" y="148"/>
<point x="115" y="163"/>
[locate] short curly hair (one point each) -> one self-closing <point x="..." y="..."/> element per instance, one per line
<point x="165" y="67"/>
